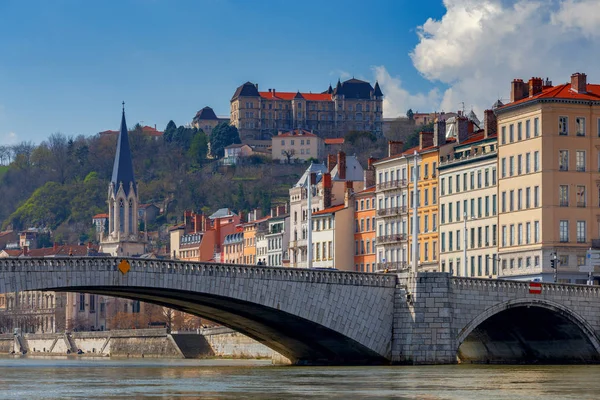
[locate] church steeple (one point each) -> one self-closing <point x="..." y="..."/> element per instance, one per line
<point x="123" y="166"/>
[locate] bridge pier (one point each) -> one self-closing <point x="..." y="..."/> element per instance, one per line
<point x="422" y="327"/>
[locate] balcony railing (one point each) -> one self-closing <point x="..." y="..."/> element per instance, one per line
<point x="387" y="212"/>
<point x="392" y="266"/>
<point x="396" y="184"/>
<point x="394" y="238"/>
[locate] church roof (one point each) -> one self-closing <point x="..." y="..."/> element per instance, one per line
<point x="206" y="113"/>
<point x="123" y="166"/>
<point x="247" y="89"/>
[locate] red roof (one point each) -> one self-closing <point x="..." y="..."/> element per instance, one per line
<point x="290" y="95"/>
<point x="98" y="216"/>
<point x="330" y="210"/>
<point x="476" y="137"/>
<point x="148" y="130"/>
<point x="367" y="190"/>
<point x="297" y="132"/>
<point x="13" y="253"/>
<point x="334" y="141"/>
<point x="563" y="92"/>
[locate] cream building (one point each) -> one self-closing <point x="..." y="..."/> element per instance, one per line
<point x="352" y="105"/>
<point x="548" y="182"/>
<point x="296" y="145"/>
<point x="468" y="205"/>
<point x="333" y="236"/>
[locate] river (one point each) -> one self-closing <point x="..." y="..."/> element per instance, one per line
<point x="43" y="378"/>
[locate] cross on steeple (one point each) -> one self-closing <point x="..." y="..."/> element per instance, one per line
<point x="123" y="106"/>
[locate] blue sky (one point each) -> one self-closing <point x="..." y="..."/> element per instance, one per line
<point x="65" y="66"/>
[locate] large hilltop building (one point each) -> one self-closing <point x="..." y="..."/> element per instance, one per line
<point x="207" y="120"/>
<point x="352" y="105"/>
<point x="123" y="237"/>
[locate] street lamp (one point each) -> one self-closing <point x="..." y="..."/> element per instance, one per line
<point x="554" y="261"/>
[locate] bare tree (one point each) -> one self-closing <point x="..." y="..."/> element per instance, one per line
<point x="289" y="154"/>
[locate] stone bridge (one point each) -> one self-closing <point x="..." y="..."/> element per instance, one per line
<point x="333" y="317"/>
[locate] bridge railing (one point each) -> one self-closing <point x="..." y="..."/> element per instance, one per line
<point x="84" y="264"/>
<point x="547" y="287"/>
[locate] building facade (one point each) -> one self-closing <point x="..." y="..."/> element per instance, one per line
<point x="352" y="105"/>
<point x="548" y="143"/>
<point x="468" y="205"/>
<point x="364" y="230"/>
<point x="296" y="145"/>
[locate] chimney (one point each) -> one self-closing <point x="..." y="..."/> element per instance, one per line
<point x="425" y="140"/>
<point x="256" y="84"/>
<point x="547" y="84"/>
<point x="463" y="129"/>
<point x="331" y="162"/>
<point x="517" y="90"/>
<point x="535" y="86"/>
<point x="198" y="222"/>
<point x="327" y="190"/>
<point x="273" y="91"/>
<point x="341" y="165"/>
<point x="579" y="82"/>
<point x="242" y="216"/>
<point x="55" y="246"/>
<point x="25" y="250"/>
<point x="439" y="133"/>
<point x="394" y="147"/>
<point x="490" y="124"/>
<point x="348" y="193"/>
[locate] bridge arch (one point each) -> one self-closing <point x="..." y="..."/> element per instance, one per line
<point x="530" y="337"/>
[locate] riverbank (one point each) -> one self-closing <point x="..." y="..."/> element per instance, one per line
<point x="140" y="343"/>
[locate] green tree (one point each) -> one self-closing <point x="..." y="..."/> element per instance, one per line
<point x="169" y="131"/>
<point x="198" y="148"/>
<point x="410" y="114"/>
<point x="222" y="136"/>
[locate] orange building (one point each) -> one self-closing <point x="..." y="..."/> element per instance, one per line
<point x="250" y="229"/>
<point x="364" y="231"/>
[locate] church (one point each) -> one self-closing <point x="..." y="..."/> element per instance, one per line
<point x="123" y="238"/>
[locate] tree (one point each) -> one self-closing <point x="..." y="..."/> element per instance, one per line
<point x="289" y="153"/>
<point x="410" y="115"/>
<point x="360" y="138"/>
<point x="222" y="136"/>
<point x="169" y="131"/>
<point x="199" y="148"/>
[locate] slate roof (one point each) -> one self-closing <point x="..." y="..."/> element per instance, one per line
<point x="123" y="166"/>
<point x="354" y="171"/>
<point x="222" y="212"/>
<point x="205" y="114"/>
<point x="377" y="90"/>
<point x="319" y="169"/>
<point x="247" y="89"/>
<point x="354" y="89"/>
<point x="274" y="95"/>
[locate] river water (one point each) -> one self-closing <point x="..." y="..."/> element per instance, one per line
<point x="42" y="378"/>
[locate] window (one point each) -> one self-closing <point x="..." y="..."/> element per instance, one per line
<point x="536" y="196"/>
<point x="564" y="231"/>
<point x="472" y="180"/>
<point x="479" y="207"/>
<point x="527" y="133"/>
<point x="536" y="161"/>
<point x="511" y="166"/>
<point x="536" y="231"/>
<point x="581" y="234"/>
<point x="563" y="126"/>
<point x="536" y="127"/>
<point x="81" y="301"/>
<point x="434" y="195"/>
<point x="465" y="181"/>
<point x="503" y="167"/>
<point x="580" y="126"/>
<point x="519" y="164"/>
<point x="581" y="202"/>
<point x="458" y="183"/>
<point x="511" y="201"/>
<point x="487" y="177"/>
<point x="580" y="160"/>
<point x="519" y="199"/>
<point x="443" y="184"/>
<point x="512" y="234"/>
<point x="443" y="242"/>
<point x="478" y="179"/>
<point x="487" y="206"/>
<point x="504" y="236"/>
<point x="503" y="201"/>
<point x="527" y="197"/>
<point x="434" y="222"/>
<point x="450" y="242"/>
<point x="519" y="131"/>
<point x="527" y="163"/>
<point x="563" y="160"/>
<point x="493" y="204"/>
<point x="520" y="234"/>
<point x="450" y="215"/>
<point x="563" y="195"/>
<point x="443" y="214"/>
<point x="457" y="240"/>
<point x="458" y="210"/>
<point x="449" y="185"/>
<point x="504" y="135"/>
<point x="511" y="133"/>
<point x="528" y="233"/>
<point x="493" y="176"/>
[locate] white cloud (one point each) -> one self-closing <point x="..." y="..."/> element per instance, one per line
<point x="479" y="46"/>
<point x="397" y="100"/>
<point x="8" y="138"/>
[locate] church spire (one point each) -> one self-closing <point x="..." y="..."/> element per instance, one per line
<point x="123" y="166"/>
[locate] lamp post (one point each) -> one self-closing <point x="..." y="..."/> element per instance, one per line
<point x="465" y="245"/>
<point x="415" y="230"/>
<point x="554" y="264"/>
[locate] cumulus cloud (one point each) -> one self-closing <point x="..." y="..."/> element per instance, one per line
<point x="479" y="46"/>
<point x="8" y="138"/>
<point x="397" y="100"/>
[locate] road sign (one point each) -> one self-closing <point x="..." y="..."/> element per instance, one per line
<point x="124" y="266"/>
<point x="593" y="256"/>
<point x="535" y="288"/>
<point x="586" y="268"/>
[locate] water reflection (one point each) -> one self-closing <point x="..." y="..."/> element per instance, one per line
<point x="26" y="378"/>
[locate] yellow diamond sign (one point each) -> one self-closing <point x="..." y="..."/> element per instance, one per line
<point x="124" y="266"/>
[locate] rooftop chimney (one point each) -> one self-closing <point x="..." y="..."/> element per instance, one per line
<point x="331" y="162"/>
<point x="517" y="90"/>
<point x="439" y="133"/>
<point x="579" y="82"/>
<point x="535" y="86"/>
<point x="463" y="129"/>
<point x="425" y="140"/>
<point x="490" y="124"/>
<point x="341" y="165"/>
<point x="327" y="190"/>
<point x="394" y="147"/>
<point x="369" y="173"/>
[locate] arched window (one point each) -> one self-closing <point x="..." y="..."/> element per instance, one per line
<point x="130" y="216"/>
<point x="121" y="216"/>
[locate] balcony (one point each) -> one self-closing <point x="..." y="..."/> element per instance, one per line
<point x="394" y="238"/>
<point x="392" y="266"/>
<point x="392" y="211"/>
<point x="390" y="185"/>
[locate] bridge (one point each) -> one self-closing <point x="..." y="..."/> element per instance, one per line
<point x="334" y="317"/>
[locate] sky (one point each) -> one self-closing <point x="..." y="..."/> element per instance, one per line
<point x="66" y="65"/>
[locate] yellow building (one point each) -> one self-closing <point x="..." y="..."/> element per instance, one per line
<point x="352" y="105"/>
<point x="548" y="184"/>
